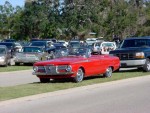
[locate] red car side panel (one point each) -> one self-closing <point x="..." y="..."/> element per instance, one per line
<point x="96" y="64"/>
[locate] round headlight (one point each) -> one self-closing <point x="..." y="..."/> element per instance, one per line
<point x="69" y="68"/>
<point x="35" y="68"/>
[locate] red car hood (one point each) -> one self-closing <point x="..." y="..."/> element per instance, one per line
<point x="62" y="61"/>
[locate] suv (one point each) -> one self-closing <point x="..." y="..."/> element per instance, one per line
<point x="134" y="52"/>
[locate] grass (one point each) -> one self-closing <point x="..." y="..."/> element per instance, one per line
<point x="14" y="68"/>
<point x="7" y="93"/>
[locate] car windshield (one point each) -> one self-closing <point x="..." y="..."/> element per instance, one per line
<point x="32" y="49"/>
<point x="135" y="43"/>
<point x="78" y="52"/>
<point x="61" y="52"/>
<point x="2" y="51"/>
<point x="107" y="44"/>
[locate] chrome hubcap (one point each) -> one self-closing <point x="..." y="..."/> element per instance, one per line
<point x="109" y="72"/>
<point x="80" y="75"/>
<point x="148" y="65"/>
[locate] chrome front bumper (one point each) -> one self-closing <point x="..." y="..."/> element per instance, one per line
<point x="39" y="73"/>
<point x="132" y="63"/>
<point x="23" y="60"/>
<point x="50" y="70"/>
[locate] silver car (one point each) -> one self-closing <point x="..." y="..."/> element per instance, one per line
<point x="5" y="56"/>
<point x="31" y="54"/>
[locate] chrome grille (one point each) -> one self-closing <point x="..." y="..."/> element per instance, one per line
<point x="41" y="69"/>
<point x="50" y="69"/>
<point x="125" y="56"/>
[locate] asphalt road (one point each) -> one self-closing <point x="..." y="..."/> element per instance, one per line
<point x="17" y="78"/>
<point x="124" y="96"/>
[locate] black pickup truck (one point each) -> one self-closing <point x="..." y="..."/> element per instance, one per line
<point x="134" y="52"/>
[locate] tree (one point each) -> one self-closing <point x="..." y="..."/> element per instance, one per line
<point x="6" y="12"/>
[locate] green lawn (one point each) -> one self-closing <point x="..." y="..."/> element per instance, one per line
<point x="37" y="88"/>
<point x="15" y="68"/>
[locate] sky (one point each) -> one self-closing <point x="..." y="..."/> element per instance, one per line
<point x="13" y="2"/>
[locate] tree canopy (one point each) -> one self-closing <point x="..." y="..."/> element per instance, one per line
<point x="64" y="19"/>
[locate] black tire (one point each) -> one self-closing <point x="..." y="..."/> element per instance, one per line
<point x="44" y="80"/>
<point x="108" y="72"/>
<point x="146" y="67"/>
<point x="79" y="76"/>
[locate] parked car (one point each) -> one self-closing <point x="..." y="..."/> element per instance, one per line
<point x="76" y="65"/>
<point x="134" y="52"/>
<point x="5" y="56"/>
<point x="103" y="47"/>
<point x="30" y="54"/>
<point x="106" y="47"/>
<point x="100" y="39"/>
<point x="61" y="52"/>
<point x="64" y="43"/>
<point x="44" y="44"/>
<point x="53" y="51"/>
<point x="96" y="48"/>
<point x="74" y="45"/>
<point x="10" y="46"/>
<point x="18" y="47"/>
<point x="90" y="41"/>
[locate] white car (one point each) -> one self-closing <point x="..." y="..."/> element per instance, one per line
<point x="18" y="47"/>
<point x="96" y="48"/>
<point x="107" y="46"/>
<point x="90" y="41"/>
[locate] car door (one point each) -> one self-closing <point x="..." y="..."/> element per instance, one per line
<point x="94" y="66"/>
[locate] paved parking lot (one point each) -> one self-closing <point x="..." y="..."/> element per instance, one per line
<point x="17" y="78"/>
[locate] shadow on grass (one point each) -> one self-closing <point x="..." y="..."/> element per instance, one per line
<point x="69" y="80"/>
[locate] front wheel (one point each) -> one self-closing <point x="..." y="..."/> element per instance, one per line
<point x="108" y="72"/>
<point x="146" y="66"/>
<point x="79" y="76"/>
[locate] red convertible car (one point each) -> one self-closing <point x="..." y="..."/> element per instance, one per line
<point x="76" y="65"/>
